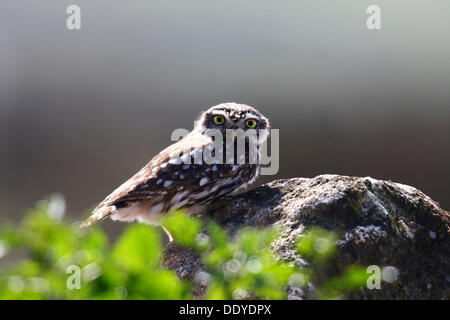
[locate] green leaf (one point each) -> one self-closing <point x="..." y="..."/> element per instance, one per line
<point x="137" y="248"/>
<point x="354" y="277"/>
<point x="218" y="236"/>
<point x="317" y="244"/>
<point x="183" y="228"/>
<point x="159" y="285"/>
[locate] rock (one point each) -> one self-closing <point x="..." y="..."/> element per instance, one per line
<point x="380" y="222"/>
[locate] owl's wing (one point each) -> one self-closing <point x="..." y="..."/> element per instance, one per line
<point x="159" y="174"/>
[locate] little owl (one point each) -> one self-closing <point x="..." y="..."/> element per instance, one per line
<point x="179" y="177"/>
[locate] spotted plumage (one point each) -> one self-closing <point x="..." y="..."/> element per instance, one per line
<point x="181" y="177"/>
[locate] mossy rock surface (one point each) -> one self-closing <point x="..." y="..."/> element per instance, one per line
<point x="379" y="223"/>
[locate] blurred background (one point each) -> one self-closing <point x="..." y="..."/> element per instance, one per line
<point x="83" y="110"/>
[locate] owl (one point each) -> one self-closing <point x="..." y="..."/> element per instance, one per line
<point x="179" y="177"/>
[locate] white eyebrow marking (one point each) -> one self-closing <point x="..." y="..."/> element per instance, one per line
<point x="219" y="113"/>
<point x="251" y="114"/>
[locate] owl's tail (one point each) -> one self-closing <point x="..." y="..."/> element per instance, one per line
<point x="99" y="213"/>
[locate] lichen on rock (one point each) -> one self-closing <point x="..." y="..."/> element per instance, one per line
<point x="379" y="222"/>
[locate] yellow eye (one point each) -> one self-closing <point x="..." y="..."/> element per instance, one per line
<point x="219" y="120"/>
<point x="251" y="123"/>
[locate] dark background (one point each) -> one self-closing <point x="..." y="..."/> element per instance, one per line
<point x="81" y="111"/>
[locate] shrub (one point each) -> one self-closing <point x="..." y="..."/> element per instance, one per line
<point x="63" y="261"/>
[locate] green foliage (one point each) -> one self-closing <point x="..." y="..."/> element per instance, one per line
<point x="246" y="268"/>
<point x="63" y="261"/>
<point x="137" y="249"/>
<point x="57" y="251"/>
<point x="319" y="247"/>
<point x="183" y="228"/>
<point x="317" y="244"/>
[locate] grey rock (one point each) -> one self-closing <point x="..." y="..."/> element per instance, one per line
<point x="383" y="223"/>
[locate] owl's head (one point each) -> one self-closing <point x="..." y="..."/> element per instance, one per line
<point x="233" y="116"/>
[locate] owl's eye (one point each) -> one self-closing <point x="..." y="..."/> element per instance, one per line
<point x="219" y="120"/>
<point x="250" y="123"/>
